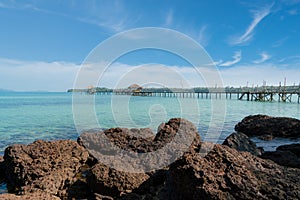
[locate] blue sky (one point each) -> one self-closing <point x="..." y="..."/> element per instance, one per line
<point x="43" y="43"/>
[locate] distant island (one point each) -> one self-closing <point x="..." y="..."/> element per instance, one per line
<point x="6" y="90"/>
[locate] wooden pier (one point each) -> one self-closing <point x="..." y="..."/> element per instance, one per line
<point x="261" y="94"/>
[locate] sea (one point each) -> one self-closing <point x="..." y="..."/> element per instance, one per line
<point x="29" y="116"/>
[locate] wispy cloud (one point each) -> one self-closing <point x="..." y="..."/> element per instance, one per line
<point x="169" y="18"/>
<point x="264" y="57"/>
<point x="202" y="36"/>
<point x="293" y="12"/>
<point x="236" y="58"/>
<point x="291" y="59"/>
<point x="258" y="16"/>
<point x="290" y="2"/>
<point x="100" y="14"/>
<point x="280" y="42"/>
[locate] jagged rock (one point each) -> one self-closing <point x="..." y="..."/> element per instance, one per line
<point x="141" y="140"/>
<point x="122" y="138"/>
<point x="225" y="173"/>
<point x="294" y="148"/>
<point x="31" y="196"/>
<point x="43" y="166"/>
<point x="107" y="181"/>
<point x="152" y="188"/>
<point x="242" y="142"/>
<point x="180" y="127"/>
<point x="101" y="197"/>
<point x="116" y="144"/>
<point x="285" y="158"/>
<point x="259" y="125"/>
<point x="102" y="178"/>
<point x="286" y="155"/>
<point x="2" y="169"/>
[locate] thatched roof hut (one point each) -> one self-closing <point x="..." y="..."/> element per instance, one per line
<point x="135" y="88"/>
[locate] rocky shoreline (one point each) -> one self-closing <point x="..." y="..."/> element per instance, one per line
<point x="236" y="169"/>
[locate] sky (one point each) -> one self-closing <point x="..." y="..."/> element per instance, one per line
<point x="44" y="43"/>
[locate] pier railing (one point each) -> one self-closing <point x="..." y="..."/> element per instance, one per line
<point x="264" y="93"/>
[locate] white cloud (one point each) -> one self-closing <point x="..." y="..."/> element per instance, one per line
<point x="264" y="57"/>
<point x="236" y="58"/>
<point x="258" y="16"/>
<point x="35" y="75"/>
<point x="122" y="75"/>
<point x="255" y="74"/>
<point x="60" y="76"/>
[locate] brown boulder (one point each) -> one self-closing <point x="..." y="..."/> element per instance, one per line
<point x="123" y="150"/>
<point x="107" y="181"/>
<point x="260" y="125"/>
<point x="294" y="148"/>
<point x="286" y="155"/>
<point x="48" y="166"/>
<point x="285" y="158"/>
<point x="31" y="196"/>
<point x="242" y="142"/>
<point x="225" y="173"/>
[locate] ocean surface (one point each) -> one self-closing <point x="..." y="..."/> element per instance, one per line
<point x="29" y="116"/>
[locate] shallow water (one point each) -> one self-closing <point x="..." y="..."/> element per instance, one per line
<point x="25" y="117"/>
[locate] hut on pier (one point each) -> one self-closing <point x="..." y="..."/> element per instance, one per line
<point x="135" y="89"/>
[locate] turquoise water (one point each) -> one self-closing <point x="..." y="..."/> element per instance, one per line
<point x="25" y="117"/>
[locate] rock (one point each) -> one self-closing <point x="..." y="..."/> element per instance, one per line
<point x="50" y="167"/>
<point x="286" y="155"/>
<point x="101" y="197"/>
<point x="183" y="128"/>
<point x="242" y="142"/>
<point x="285" y="158"/>
<point x="2" y="169"/>
<point x="113" y="146"/>
<point x="107" y="181"/>
<point x="225" y="173"/>
<point x="122" y="138"/>
<point x="259" y="125"/>
<point x="266" y="137"/>
<point x="294" y="148"/>
<point x="32" y="196"/>
<point x="152" y="188"/>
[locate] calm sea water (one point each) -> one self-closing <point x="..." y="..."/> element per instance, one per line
<point x="26" y="117"/>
